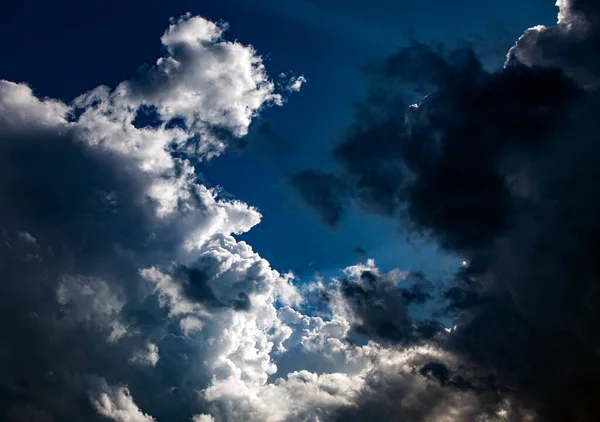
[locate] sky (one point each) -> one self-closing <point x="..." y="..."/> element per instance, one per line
<point x="311" y="210"/>
<point x="325" y="41"/>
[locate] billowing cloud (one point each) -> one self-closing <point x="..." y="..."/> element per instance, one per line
<point x="378" y="305"/>
<point x="116" y="403"/>
<point x="101" y="214"/>
<point x="570" y="45"/>
<point x="202" y="418"/>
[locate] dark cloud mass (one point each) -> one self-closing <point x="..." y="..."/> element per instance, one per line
<point x="500" y="168"/>
<point x="381" y="307"/>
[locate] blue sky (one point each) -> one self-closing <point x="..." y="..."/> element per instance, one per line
<point x="68" y="47"/>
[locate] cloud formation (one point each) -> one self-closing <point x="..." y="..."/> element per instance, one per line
<point x="102" y="214"/>
<point x="378" y="305"/>
<point x="497" y="168"/>
<point x="116" y="403"/>
<point x="126" y="296"/>
<point x="570" y="45"/>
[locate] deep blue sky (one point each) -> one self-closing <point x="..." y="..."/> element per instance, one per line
<point x="66" y="47"/>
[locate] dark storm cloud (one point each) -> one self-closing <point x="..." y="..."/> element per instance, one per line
<point x="500" y="168"/>
<point x="381" y="307"/>
<point x="425" y="167"/>
<point x="465" y="292"/>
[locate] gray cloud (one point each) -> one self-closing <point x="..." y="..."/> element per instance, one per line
<point x="380" y="306"/>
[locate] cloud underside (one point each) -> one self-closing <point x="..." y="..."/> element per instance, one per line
<point x="126" y="296"/>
